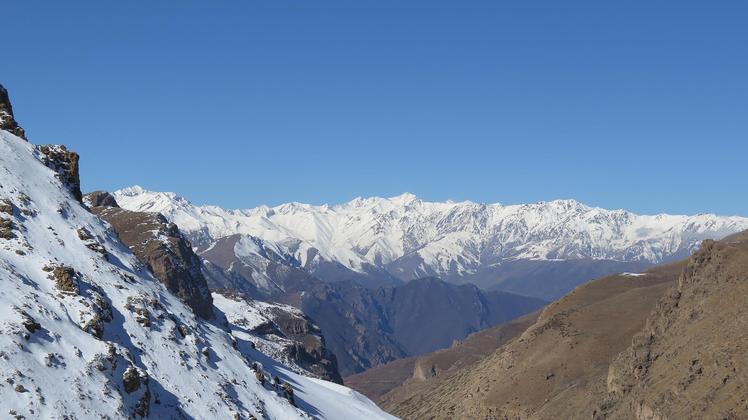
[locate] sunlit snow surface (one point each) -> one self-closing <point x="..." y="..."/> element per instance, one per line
<point x="60" y="370"/>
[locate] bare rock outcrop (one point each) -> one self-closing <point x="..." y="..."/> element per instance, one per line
<point x="161" y="247"/>
<point x="56" y="157"/>
<point x="99" y="199"/>
<point x="7" y="119"/>
<point x="65" y="163"/>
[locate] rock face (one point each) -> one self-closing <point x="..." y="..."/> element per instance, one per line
<point x="7" y="120"/>
<point x="65" y="163"/>
<point x="56" y="157"/>
<point x="160" y="246"/>
<point x="100" y="199"/>
<point x="309" y="349"/>
<point x="288" y="333"/>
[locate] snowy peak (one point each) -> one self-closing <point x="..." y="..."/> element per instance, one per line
<point x="405" y="199"/>
<point x="153" y="199"/>
<point x="445" y="239"/>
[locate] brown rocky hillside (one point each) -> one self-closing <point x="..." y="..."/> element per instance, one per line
<point x="669" y="344"/>
<point x="558" y="368"/>
<point x="691" y="359"/>
<point x="161" y="247"/>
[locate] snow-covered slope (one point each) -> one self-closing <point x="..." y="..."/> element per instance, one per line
<point x="279" y="331"/>
<point x="412" y="238"/>
<point x="87" y="332"/>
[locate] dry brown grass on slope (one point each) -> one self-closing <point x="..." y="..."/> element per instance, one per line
<point x="558" y="367"/>
<point x="690" y="361"/>
<point x="390" y="383"/>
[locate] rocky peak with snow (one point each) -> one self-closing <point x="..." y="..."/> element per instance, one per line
<point x="7" y="119"/>
<point x="65" y="163"/>
<point x="99" y="199"/>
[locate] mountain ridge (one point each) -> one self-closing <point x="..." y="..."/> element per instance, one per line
<point x="492" y="245"/>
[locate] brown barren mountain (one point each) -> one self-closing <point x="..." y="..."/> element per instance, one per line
<point x="669" y="344"/>
<point x="691" y="359"/>
<point x="557" y="368"/>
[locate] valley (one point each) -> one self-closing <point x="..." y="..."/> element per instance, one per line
<point x="147" y="306"/>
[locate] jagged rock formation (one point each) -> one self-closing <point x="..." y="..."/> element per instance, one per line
<point x="65" y="163"/>
<point x="161" y="247"/>
<point x="56" y="157"/>
<point x="7" y="119"/>
<point x="99" y="199"/>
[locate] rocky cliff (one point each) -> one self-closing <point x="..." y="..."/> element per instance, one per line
<point x="65" y="163"/>
<point x="287" y="333"/>
<point x="87" y="332"/>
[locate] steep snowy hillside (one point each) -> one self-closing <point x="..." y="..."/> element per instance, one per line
<point x="459" y="242"/>
<point x="280" y="331"/>
<point x="87" y="332"/>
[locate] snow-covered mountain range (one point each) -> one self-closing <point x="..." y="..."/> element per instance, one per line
<point x="86" y="331"/>
<point x="458" y="241"/>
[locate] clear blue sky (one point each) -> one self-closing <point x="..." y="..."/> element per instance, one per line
<point x="640" y="105"/>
